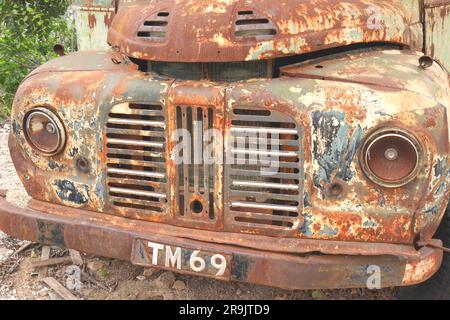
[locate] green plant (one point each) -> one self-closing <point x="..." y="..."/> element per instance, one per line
<point x="103" y="273"/>
<point x="28" y="31"/>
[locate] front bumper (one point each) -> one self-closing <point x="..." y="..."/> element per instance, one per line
<point x="110" y="236"/>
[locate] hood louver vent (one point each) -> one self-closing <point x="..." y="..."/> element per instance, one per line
<point x="250" y="24"/>
<point x="155" y="27"/>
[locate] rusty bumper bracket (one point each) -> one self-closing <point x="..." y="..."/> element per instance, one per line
<point x="426" y="244"/>
<point x="110" y="236"/>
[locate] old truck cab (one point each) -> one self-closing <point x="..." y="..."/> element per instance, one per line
<point x="295" y="144"/>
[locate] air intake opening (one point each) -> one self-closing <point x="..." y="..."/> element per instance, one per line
<point x="251" y="21"/>
<point x="136" y="166"/>
<point x="263" y="181"/>
<point x="154" y="27"/>
<point x="155" y="23"/>
<point x="250" y="25"/>
<point x="245" y="13"/>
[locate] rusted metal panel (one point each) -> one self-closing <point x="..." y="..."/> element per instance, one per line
<point x="99" y="234"/>
<point x="437" y="30"/>
<point x="235" y="30"/>
<point x="334" y="114"/>
<point x="92" y="20"/>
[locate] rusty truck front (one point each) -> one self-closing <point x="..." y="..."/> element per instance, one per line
<point x="296" y="144"/>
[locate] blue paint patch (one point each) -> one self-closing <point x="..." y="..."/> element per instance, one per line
<point x="329" y="231"/>
<point x="305" y="228"/>
<point x="51" y="233"/>
<point x="340" y="148"/>
<point x="433" y="211"/>
<point x="440" y="168"/>
<point x="73" y="152"/>
<point x="370" y="224"/>
<point x="307" y="201"/>
<point x="383" y="199"/>
<point x="68" y="192"/>
<point x="440" y="190"/>
<point x="240" y="267"/>
<point x="100" y="190"/>
<point x="17" y="128"/>
<point x="53" y="165"/>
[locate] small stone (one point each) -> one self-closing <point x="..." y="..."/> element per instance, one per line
<point x="95" y="266"/>
<point x="141" y="278"/>
<point x="238" y="292"/>
<point x="43" y="292"/>
<point x="4" y="254"/>
<point x="53" y="296"/>
<point x="179" y="285"/>
<point x="149" y="272"/>
<point x="168" y="297"/>
<point x="166" y="280"/>
<point x="34" y="254"/>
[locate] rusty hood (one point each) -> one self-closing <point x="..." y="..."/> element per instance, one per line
<point x="238" y="30"/>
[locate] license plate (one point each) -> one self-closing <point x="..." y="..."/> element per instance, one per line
<point x="183" y="259"/>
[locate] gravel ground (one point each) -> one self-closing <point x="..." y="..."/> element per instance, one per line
<point x="8" y="177"/>
<point x="106" y="279"/>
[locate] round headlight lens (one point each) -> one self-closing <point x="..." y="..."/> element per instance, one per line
<point x="44" y="131"/>
<point x="392" y="157"/>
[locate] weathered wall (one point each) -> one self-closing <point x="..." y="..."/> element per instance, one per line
<point x="92" y="19"/>
<point x="437" y="20"/>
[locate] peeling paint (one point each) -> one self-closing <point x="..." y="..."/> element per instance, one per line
<point x="334" y="147"/>
<point x="68" y="192"/>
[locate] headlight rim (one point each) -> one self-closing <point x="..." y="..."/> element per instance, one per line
<point x="55" y="120"/>
<point x="378" y="134"/>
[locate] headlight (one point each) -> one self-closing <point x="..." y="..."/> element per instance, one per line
<point x="44" y="131"/>
<point x="391" y="157"/>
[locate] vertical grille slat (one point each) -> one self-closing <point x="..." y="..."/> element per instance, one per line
<point x="196" y="136"/>
<point x="136" y="165"/>
<point x="195" y="177"/>
<point x="264" y="180"/>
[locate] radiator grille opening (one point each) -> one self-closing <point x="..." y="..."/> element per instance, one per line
<point x="195" y="177"/>
<point x="154" y="27"/>
<point x="264" y="177"/>
<point x="136" y="166"/>
<point x="217" y="72"/>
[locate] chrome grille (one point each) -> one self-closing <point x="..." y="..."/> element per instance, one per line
<point x="136" y="166"/>
<point x="263" y="181"/>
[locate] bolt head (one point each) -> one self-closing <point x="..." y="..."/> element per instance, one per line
<point x="50" y="127"/>
<point x="391" y="154"/>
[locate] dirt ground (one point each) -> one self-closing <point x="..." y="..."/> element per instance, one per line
<point x="108" y="279"/>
